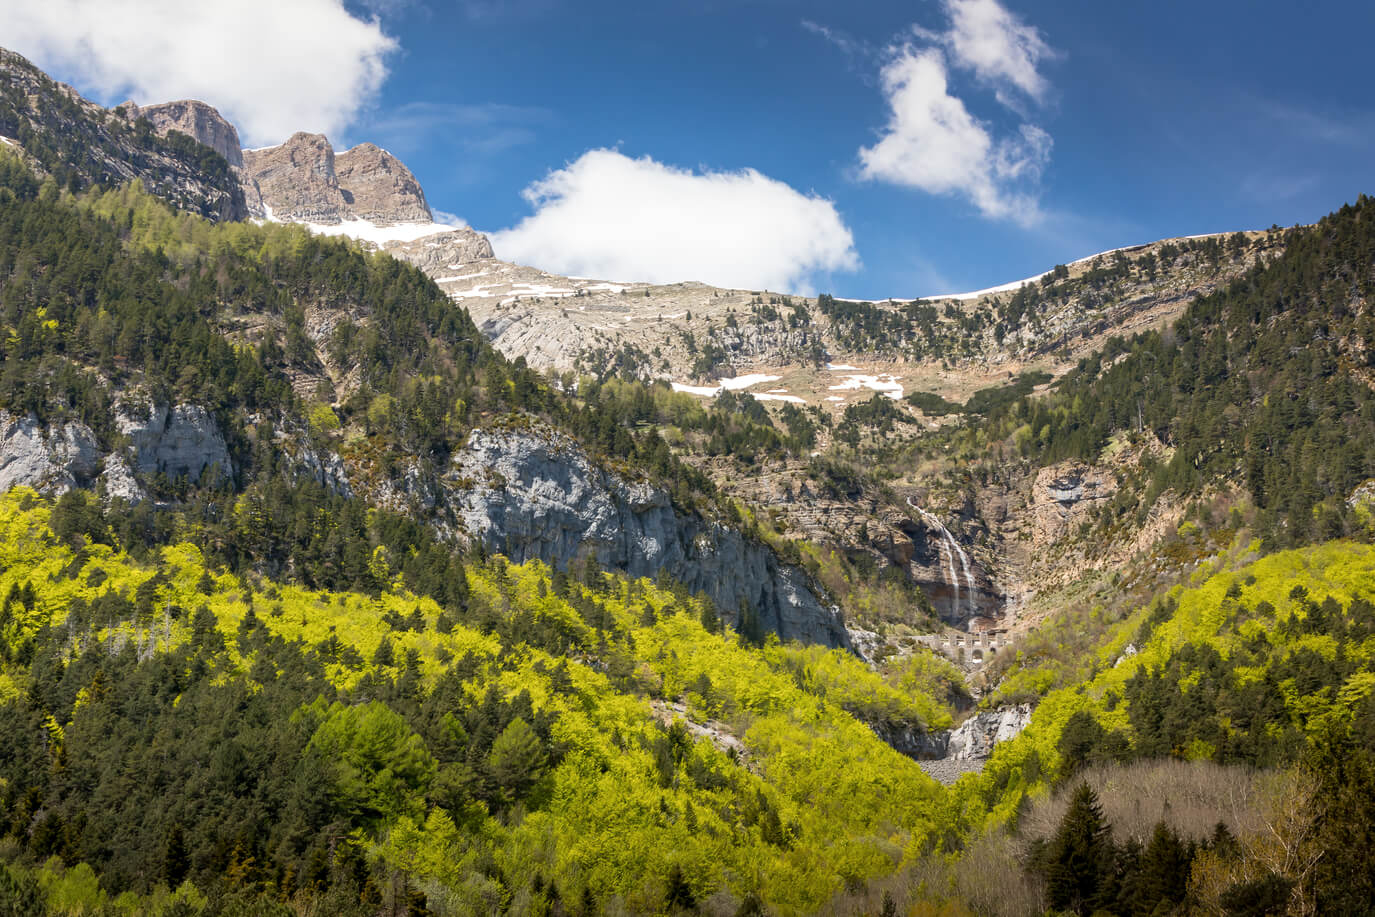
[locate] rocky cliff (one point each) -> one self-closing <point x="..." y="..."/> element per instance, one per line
<point x="378" y="187"/>
<point x="535" y="496"/>
<point x="180" y="441"/>
<point x="80" y="143"/>
<point x="51" y="458"/>
<point x="965" y="749"/>
<point x="196" y="120"/>
<point x="445" y="254"/>
<point x="304" y="180"/>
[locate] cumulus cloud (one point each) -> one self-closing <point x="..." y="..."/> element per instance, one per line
<point x="610" y="216"/>
<point x="998" y="47"/>
<point x="271" y="67"/>
<point x="933" y="143"/>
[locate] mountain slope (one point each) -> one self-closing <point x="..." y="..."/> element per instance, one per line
<point x="80" y="144"/>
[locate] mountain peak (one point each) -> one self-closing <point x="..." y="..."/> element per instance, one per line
<point x="304" y="180"/>
<point x="194" y="118"/>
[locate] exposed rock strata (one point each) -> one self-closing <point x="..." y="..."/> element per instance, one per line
<point x="444" y="254"/>
<point x="52" y="459"/>
<point x="539" y="497"/>
<point x="87" y="145"/>
<point x="181" y="441"/>
<point x="303" y="180"/>
<point x="197" y="120"/>
<point x="966" y="748"/>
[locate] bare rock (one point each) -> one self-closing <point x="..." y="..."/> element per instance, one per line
<point x="304" y="181"/>
<point x="197" y="120"/>
<point x="182" y="441"/>
<point x="539" y="496"/>
<point x="119" y="482"/>
<point x="378" y="187"/>
<point x="976" y="736"/>
<point x="52" y="460"/>
<point x="443" y="253"/>
<point x="297" y="179"/>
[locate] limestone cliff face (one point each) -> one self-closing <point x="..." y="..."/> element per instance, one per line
<point x="79" y="139"/>
<point x="975" y="737"/>
<point x="182" y="441"/>
<point x="178" y="441"/>
<point x="297" y="179"/>
<point x="533" y="496"/>
<point x="197" y="120"/>
<point x="444" y="254"/>
<point x="53" y="459"/>
<point x="378" y="187"/>
<point x="303" y="180"/>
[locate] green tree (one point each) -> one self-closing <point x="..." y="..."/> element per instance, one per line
<point x="377" y="767"/>
<point x="1077" y="862"/>
<point x="517" y="758"/>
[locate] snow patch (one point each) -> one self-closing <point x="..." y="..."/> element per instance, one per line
<point x="458" y="277"/>
<point x="734" y="385"/>
<point x="841" y="367"/>
<point x="706" y="391"/>
<point x="740" y="382"/>
<point x="368" y="231"/>
<point x="8" y="141"/>
<point x="769" y="396"/>
<point x="883" y="383"/>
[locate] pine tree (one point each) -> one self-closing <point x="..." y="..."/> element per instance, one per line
<point x="1078" y="861"/>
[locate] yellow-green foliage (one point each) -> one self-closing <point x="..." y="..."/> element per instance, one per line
<point x="1222" y="611"/>
<point x="815" y="800"/>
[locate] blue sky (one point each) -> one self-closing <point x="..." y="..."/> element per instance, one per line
<point x="871" y="149"/>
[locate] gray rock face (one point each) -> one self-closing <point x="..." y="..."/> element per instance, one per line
<point x="101" y="149"/>
<point x="947" y="755"/>
<point x="911" y="741"/>
<point x="443" y="253"/>
<point x="197" y="120"/>
<point x="52" y="460"/>
<point x="377" y="186"/>
<point x="976" y="736"/>
<point x="303" y="180"/>
<point x="182" y="441"/>
<point x="119" y="481"/>
<point x="539" y="497"/>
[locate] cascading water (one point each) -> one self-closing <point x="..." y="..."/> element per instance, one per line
<point x="952" y="550"/>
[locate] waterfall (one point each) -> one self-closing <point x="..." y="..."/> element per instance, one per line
<point x="952" y="550"/>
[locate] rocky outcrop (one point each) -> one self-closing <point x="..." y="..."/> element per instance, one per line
<point x="378" y="187"/>
<point x="303" y="180"/>
<point x="297" y="180"/>
<point x="964" y="749"/>
<point x="68" y="135"/>
<point x="534" y="496"/>
<point x="118" y="481"/>
<point x="975" y="737"/>
<point x="443" y="253"/>
<point x="181" y="442"/>
<point x="939" y="561"/>
<point x="912" y="741"/>
<point x="196" y="120"/>
<point x="51" y="459"/>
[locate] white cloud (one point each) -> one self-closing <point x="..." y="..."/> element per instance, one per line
<point x="609" y="216"/>
<point x="272" y="67"/>
<point x="932" y="143"/>
<point x="445" y="218"/>
<point x="999" y="48"/>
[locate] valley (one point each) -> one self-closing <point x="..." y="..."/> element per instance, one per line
<point x="350" y="569"/>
